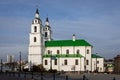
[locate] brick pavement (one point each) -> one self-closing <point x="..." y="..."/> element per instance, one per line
<point x="100" y="76"/>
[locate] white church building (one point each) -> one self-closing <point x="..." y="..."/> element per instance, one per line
<point x="62" y="55"/>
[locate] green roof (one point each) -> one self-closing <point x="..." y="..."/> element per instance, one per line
<point x="57" y="43"/>
<point x="63" y="56"/>
<point x="96" y="56"/>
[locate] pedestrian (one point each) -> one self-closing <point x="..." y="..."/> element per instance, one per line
<point x="114" y="78"/>
<point x="83" y="77"/>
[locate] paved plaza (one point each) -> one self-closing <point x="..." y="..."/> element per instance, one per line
<point x="96" y="76"/>
<point x="88" y="76"/>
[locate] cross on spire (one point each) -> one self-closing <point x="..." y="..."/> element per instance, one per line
<point x="37" y="11"/>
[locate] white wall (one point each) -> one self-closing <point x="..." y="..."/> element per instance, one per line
<point x="35" y="59"/>
<point x="73" y="50"/>
<point x="100" y="64"/>
<point x="61" y="66"/>
<point x="36" y="48"/>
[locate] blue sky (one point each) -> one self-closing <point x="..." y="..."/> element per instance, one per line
<point x="96" y="21"/>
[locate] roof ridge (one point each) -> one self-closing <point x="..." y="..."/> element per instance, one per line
<point x="69" y="40"/>
<point x="57" y="43"/>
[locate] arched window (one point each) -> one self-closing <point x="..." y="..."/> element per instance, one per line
<point x="35" y="29"/>
<point x="78" y="52"/>
<point x="36" y="21"/>
<point x="46" y="62"/>
<point x="58" y="52"/>
<point x="76" y="62"/>
<point x="97" y="62"/>
<point x="67" y="51"/>
<point x="87" y="62"/>
<point x="88" y="51"/>
<point x="55" y="62"/>
<point x="35" y="40"/>
<point x="65" y="62"/>
<point x="48" y="51"/>
<point x="46" y="34"/>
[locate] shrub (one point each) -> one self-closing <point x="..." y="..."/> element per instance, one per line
<point x="52" y="70"/>
<point x="38" y="68"/>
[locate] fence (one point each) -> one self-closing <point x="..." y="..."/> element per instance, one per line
<point x="41" y="76"/>
<point x="36" y="76"/>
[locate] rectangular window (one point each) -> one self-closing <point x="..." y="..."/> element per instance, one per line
<point x="49" y="52"/>
<point x="58" y="52"/>
<point x="35" y="40"/>
<point x="35" y="29"/>
<point x="55" y="61"/>
<point x="78" y="52"/>
<point x="67" y="51"/>
<point x="46" y="34"/>
<point x="46" y="62"/>
<point x="97" y="62"/>
<point x="76" y="62"/>
<point x="87" y="62"/>
<point x="88" y="51"/>
<point x="65" y="62"/>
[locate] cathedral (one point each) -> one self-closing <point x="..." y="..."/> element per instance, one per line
<point x="61" y="55"/>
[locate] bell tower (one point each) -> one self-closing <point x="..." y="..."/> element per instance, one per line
<point x="36" y="43"/>
<point x="47" y="31"/>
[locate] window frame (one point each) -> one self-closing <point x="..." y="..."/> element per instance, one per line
<point x="46" y="34"/>
<point x="55" y="62"/>
<point x="78" y="51"/>
<point x="35" y="28"/>
<point x="65" y="62"/>
<point x="88" y="51"/>
<point x="76" y="61"/>
<point x="87" y="62"/>
<point x="67" y="51"/>
<point x="58" y="51"/>
<point x="46" y="62"/>
<point x="49" y="52"/>
<point x="35" y="39"/>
